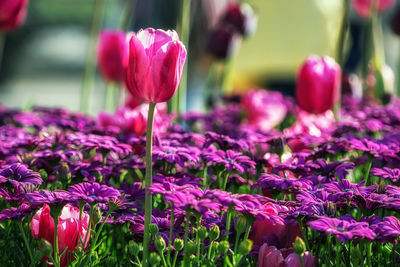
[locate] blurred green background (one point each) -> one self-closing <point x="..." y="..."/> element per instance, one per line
<point x="43" y="60"/>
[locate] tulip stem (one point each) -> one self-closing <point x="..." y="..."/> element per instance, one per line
<point x="147" y="183"/>
<point x="89" y="72"/>
<point x="28" y="248"/>
<point x="128" y="10"/>
<point x="109" y="97"/>
<point x="2" y="43"/>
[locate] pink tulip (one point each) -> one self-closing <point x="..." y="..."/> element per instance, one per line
<point x="111" y="53"/>
<point x="12" y="14"/>
<point x="280" y="235"/>
<point x="264" y="109"/>
<point x="71" y="230"/>
<point x="318" y="84"/>
<point x="363" y="7"/>
<point x="155" y="64"/>
<point x="270" y="256"/>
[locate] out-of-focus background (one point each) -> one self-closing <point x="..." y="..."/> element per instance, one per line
<point x="44" y="60"/>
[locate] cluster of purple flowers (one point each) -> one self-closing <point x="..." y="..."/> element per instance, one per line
<point x="338" y="180"/>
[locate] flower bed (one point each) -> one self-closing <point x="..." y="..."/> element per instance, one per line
<point x="224" y="192"/>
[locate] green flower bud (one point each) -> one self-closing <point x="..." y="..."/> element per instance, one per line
<point x="153" y="229"/>
<point x="79" y="252"/>
<point x="159" y="243"/>
<point x="214" y="233"/>
<point x="245" y="247"/>
<point x="202" y="232"/>
<point x="299" y="247"/>
<point x="241" y="225"/>
<point x="223" y="247"/>
<point x="192" y="258"/>
<point x="356" y="256"/>
<point x="178" y="244"/>
<point x="94" y="257"/>
<point x="191" y="247"/>
<point x="133" y="248"/>
<point x="214" y="246"/>
<point x="154" y="259"/>
<point x="64" y="174"/>
<point x="45" y="247"/>
<point x="97" y="215"/>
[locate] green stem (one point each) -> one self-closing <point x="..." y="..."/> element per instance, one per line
<point x="128" y="11"/>
<point x="226" y="176"/>
<point x="147" y="183"/>
<point x="301" y="260"/>
<point x="28" y="248"/>
<point x="228" y="223"/>
<point x="99" y="230"/>
<point x="366" y="177"/>
<point x="163" y="258"/>
<point x="175" y="257"/>
<point x="198" y="239"/>
<point x="178" y="102"/>
<point x="185" y="251"/>
<point x="304" y="234"/>
<point x="109" y="97"/>
<point x="2" y="43"/>
<point x="55" y="251"/>
<point x="171" y="230"/>
<point x="369" y="253"/>
<point x="209" y="250"/>
<point x="89" y="73"/>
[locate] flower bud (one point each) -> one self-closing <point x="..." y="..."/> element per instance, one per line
<point x="223" y="42"/>
<point x="12" y="14"/>
<point x="45" y="247"/>
<point x="214" y="233"/>
<point x="364" y="7"/>
<point x="97" y="215"/>
<point x="331" y="209"/>
<point x="223" y="247"/>
<point x="214" y="246"/>
<point x="153" y="229"/>
<point x="159" y="243"/>
<point x="191" y="247"/>
<point x="154" y="259"/>
<point x="202" y="232"/>
<point x="299" y="247"/>
<point x="241" y="225"/>
<point x="133" y="248"/>
<point x="245" y="247"/>
<point x="64" y="174"/>
<point x="178" y="244"/>
<point x="94" y="257"/>
<point x="241" y="17"/>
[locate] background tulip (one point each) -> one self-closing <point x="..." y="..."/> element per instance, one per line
<point x="111" y="51"/>
<point x="70" y="232"/>
<point x="12" y="14"/>
<point x="318" y="84"/>
<point x="154" y="67"/>
<point x="363" y="7"/>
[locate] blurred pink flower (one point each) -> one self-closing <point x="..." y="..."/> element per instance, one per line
<point x="71" y="231"/>
<point x="112" y="50"/>
<point x="270" y="256"/>
<point x="318" y="84"/>
<point x="12" y="14"/>
<point x="264" y="109"/>
<point x="363" y="7"/>
<point x="155" y="64"/>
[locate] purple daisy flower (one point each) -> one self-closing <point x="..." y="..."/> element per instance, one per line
<point x="344" y="230"/>
<point x="388" y="230"/>
<point x="94" y="193"/>
<point x="18" y="174"/>
<point x="387" y="173"/>
<point x="17" y="213"/>
<point x="48" y="197"/>
<point x="178" y="155"/>
<point x="230" y="159"/>
<point x="276" y="182"/>
<point x="224" y="141"/>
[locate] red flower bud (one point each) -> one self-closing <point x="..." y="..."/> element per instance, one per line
<point x="111" y="51"/>
<point x="155" y="65"/>
<point x="241" y="17"/>
<point x="12" y="14"/>
<point x="318" y="84"/>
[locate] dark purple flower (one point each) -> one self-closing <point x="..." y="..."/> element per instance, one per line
<point x="276" y="182"/>
<point x="19" y="174"/>
<point x="389" y="229"/>
<point x="224" y="142"/>
<point x="17" y="213"/>
<point x="49" y="197"/>
<point x="94" y="193"/>
<point x="344" y="230"/>
<point x="230" y="159"/>
<point x="178" y="155"/>
<point x="387" y="173"/>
